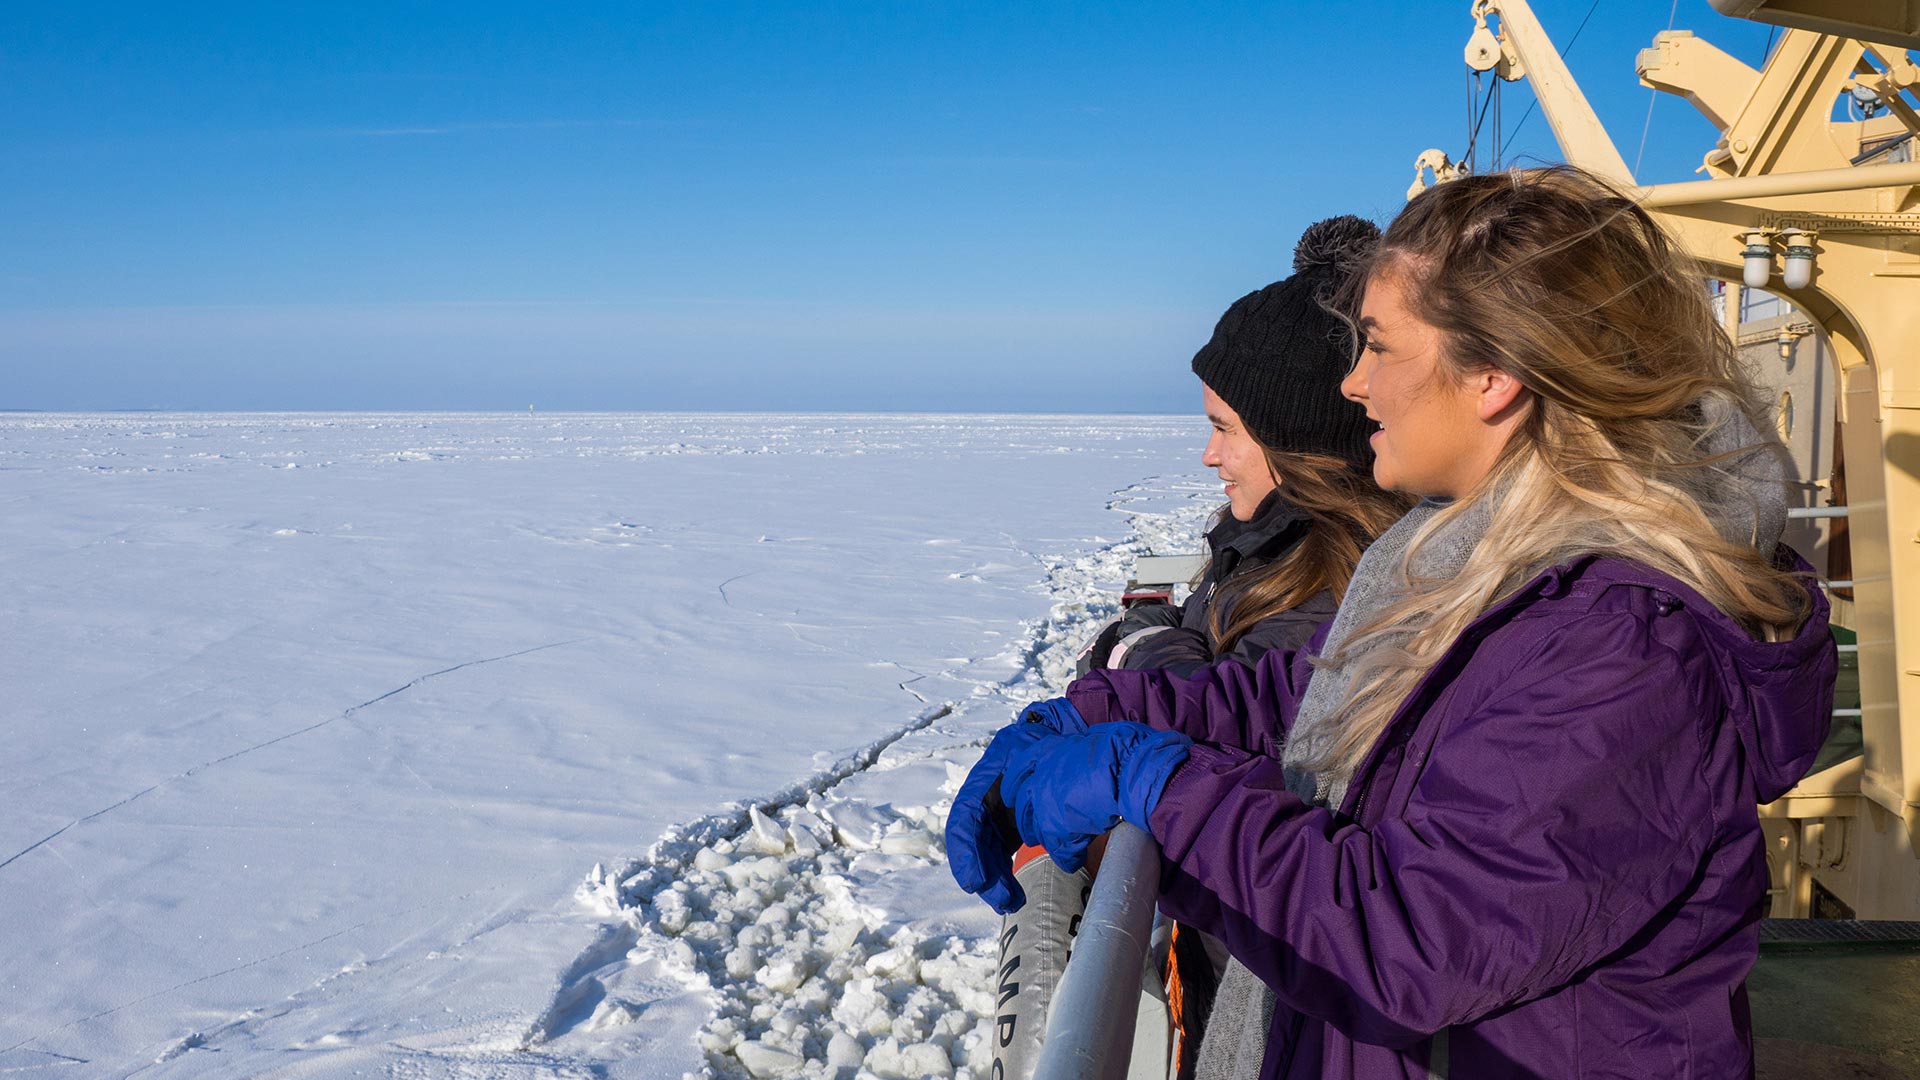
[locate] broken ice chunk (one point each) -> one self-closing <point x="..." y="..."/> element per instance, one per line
<point x="783" y="976"/>
<point x="612" y="1014"/>
<point x="763" y="1060"/>
<point x="844" y="1052"/>
<point x="763" y="868"/>
<point x="804" y="842"/>
<point x="800" y="819"/>
<point x="858" y="826"/>
<point x="764" y="834"/>
<point x="907" y="841"/>
<point x="742" y="961"/>
<point x="893" y="1061"/>
<point x="672" y="911"/>
<point x="898" y="963"/>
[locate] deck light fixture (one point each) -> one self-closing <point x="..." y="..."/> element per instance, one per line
<point x="1759" y="260"/>
<point x="1797" y="272"/>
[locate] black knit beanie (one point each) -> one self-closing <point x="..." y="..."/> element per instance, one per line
<point x="1277" y="356"/>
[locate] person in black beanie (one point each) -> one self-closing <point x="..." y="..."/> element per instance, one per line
<point x="1293" y="456"/>
<point x="1278" y="354"/>
<point x="1301" y="507"/>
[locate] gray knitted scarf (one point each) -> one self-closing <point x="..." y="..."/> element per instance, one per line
<point x="1752" y="507"/>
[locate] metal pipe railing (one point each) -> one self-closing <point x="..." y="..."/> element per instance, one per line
<point x="1091" y="1020"/>
<point x="1803" y="512"/>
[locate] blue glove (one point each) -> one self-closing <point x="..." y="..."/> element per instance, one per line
<point x="979" y="847"/>
<point x="1067" y="789"/>
<point x="1058" y="714"/>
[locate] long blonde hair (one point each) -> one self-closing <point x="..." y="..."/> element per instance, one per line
<point x="1569" y="286"/>
<point x="1345" y="510"/>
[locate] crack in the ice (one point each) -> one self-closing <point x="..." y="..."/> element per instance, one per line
<point x="728" y="600"/>
<point x="185" y="773"/>
<point x="62" y="1059"/>
<point x="681" y="841"/>
<point x="1014" y="543"/>
<point x="1122" y="496"/>
<point x="906" y="684"/>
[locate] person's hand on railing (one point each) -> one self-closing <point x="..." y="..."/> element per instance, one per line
<point x="1063" y="790"/>
<point x="981" y="835"/>
<point x="1066" y="790"/>
<point x="981" y="838"/>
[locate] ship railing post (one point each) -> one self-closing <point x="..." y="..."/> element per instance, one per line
<point x="1090" y="1023"/>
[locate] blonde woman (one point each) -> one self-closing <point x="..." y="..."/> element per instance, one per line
<point x="1504" y="823"/>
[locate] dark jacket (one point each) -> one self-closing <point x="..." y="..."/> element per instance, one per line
<point x="1236" y="548"/>
<point x="1553" y="852"/>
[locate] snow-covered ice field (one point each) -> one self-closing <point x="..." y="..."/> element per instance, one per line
<point x="528" y="746"/>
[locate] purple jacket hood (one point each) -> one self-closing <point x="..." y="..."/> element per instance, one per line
<point x="1769" y="698"/>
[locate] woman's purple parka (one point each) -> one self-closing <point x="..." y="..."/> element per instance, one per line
<point x="1554" y="852"/>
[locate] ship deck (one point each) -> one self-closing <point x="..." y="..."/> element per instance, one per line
<point x="1837" y="999"/>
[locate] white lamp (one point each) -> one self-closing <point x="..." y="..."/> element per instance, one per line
<point x="1797" y="272"/>
<point x="1759" y="260"/>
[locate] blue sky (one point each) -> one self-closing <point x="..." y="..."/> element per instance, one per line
<point x="1035" y="207"/>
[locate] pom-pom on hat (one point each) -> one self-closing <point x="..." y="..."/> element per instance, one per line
<point x="1278" y="355"/>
